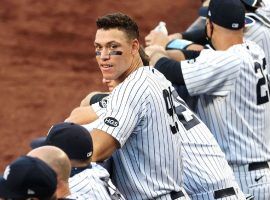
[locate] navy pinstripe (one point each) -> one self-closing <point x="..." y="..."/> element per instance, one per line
<point x="235" y="107"/>
<point x="148" y="165"/>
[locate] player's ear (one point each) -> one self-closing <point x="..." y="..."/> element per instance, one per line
<point x="135" y="46"/>
<point x="208" y="28"/>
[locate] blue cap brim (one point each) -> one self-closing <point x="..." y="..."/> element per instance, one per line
<point x="38" y="142"/>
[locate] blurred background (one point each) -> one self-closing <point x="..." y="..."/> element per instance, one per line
<point x="47" y="61"/>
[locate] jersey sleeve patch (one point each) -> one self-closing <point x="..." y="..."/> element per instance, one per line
<point x="110" y="121"/>
<point x="103" y="103"/>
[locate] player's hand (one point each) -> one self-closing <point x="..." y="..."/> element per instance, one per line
<point x="206" y="3"/>
<point x="175" y="36"/>
<point x="150" y="50"/>
<point x="156" y="38"/>
<point x="155" y="52"/>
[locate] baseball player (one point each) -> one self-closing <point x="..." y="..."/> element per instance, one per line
<point x="28" y="178"/>
<point x="59" y="162"/>
<point x="88" y="179"/>
<point x="202" y="180"/>
<point x="138" y="121"/>
<point x="233" y="93"/>
<point x="257" y="29"/>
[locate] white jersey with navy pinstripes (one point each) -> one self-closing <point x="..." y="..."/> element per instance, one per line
<point x="234" y="99"/>
<point x="92" y="184"/>
<point x="148" y="165"/>
<point x="205" y="167"/>
<point x="259" y="32"/>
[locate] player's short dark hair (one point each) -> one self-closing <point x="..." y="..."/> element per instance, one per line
<point x="120" y="21"/>
<point x="145" y="58"/>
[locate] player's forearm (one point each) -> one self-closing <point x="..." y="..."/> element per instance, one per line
<point x="82" y="115"/>
<point x="104" y="145"/>
<point x="155" y="57"/>
<point x="176" y="55"/>
<point x="197" y="36"/>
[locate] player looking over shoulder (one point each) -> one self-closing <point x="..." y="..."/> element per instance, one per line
<point x="136" y="121"/>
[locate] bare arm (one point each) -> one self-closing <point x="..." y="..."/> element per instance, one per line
<point x="103" y="145"/>
<point x="176" y="55"/>
<point x="156" y="52"/>
<point x="82" y="115"/>
<point x="86" y="100"/>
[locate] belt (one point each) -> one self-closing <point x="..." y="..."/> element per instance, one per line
<point x="257" y="166"/>
<point x="224" y="193"/>
<point x="176" y="195"/>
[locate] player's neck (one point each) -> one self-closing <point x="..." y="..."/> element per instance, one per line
<point x="135" y="64"/>
<point x="79" y="163"/>
<point x="62" y="189"/>
<point x="228" y="39"/>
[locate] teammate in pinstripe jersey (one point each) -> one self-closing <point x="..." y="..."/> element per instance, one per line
<point x="259" y="31"/>
<point x="87" y="180"/>
<point x="136" y="122"/>
<point x="233" y="94"/>
<point x="59" y="162"/>
<point x="257" y="28"/>
<point x="93" y="183"/>
<point x="206" y="172"/>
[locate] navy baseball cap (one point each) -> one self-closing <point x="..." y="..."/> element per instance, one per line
<point x="28" y="177"/>
<point x="229" y="14"/>
<point x="73" y="139"/>
<point x="248" y="20"/>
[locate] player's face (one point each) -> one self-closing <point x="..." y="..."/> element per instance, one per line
<point x="114" y="53"/>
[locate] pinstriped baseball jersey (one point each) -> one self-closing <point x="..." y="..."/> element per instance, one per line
<point x="92" y="184"/>
<point x="140" y="115"/>
<point x="259" y="32"/>
<point x="234" y="99"/>
<point x="205" y="167"/>
<point x="266" y="3"/>
<point x="74" y="196"/>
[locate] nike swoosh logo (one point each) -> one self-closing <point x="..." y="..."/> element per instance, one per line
<point x="259" y="178"/>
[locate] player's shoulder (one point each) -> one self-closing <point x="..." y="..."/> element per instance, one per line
<point x="238" y="50"/>
<point x="217" y="57"/>
<point x="254" y="49"/>
<point x="95" y="171"/>
<point x="260" y="18"/>
<point x="142" y="71"/>
<point x="98" y="169"/>
<point x="139" y="79"/>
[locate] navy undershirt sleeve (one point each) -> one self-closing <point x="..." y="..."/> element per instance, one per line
<point x="171" y="69"/>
